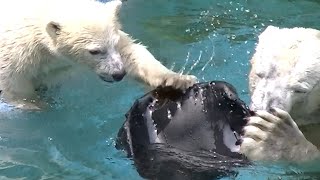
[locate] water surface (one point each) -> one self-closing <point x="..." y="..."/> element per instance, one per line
<point x="213" y="39"/>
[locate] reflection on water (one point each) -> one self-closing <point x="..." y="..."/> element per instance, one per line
<point x="213" y="39"/>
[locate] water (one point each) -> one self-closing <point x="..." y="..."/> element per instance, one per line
<point x="214" y="39"/>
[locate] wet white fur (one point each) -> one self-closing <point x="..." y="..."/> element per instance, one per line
<point x="43" y="40"/>
<point x="285" y="75"/>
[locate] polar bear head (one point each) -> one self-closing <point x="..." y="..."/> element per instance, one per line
<point x="87" y="32"/>
<point x="285" y="70"/>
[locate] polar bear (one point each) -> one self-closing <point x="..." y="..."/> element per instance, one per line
<point x="44" y="39"/>
<point x="285" y="92"/>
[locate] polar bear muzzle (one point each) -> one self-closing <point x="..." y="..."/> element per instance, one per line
<point x="111" y="68"/>
<point x="118" y="76"/>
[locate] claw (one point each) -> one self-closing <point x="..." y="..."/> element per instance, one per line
<point x="239" y="142"/>
<point x="252" y="113"/>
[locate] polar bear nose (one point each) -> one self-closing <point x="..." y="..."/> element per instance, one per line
<point x="118" y="76"/>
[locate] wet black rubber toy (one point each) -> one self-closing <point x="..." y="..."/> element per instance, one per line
<point x="175" y="135"/>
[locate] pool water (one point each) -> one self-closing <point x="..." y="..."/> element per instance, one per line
<point x="212" y="39"/>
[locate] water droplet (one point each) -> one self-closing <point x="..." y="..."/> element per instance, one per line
<point x="169" y="114"/>
<point x="151" y="106"/>
<point x="172" y="66"/>
<point x="178" y="105"/>
<point x="236" y="164"/>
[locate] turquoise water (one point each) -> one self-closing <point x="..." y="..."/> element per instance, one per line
<point x="212" y="39"/>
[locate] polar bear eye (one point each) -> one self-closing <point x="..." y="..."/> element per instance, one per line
<point x="299" y="89"/>
<point x="95" y="52"/>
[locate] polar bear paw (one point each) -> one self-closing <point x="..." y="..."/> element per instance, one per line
<point x="179" y="81"/>
<point x="275" y="136"/>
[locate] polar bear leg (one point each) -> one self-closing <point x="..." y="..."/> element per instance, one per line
<point x="20" y="93"/>
<point x="142" y="65"/>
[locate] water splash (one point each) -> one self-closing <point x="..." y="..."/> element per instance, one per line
<point x="183" y="68"/>
<point x="209" y="61"/>
<point x="172" y="66"/>
<point x="195" y="63"/>
<point x="4" y="107"/>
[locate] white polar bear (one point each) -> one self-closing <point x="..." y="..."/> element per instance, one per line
<point x="41" y="39"/>
<point x="284" y="77"/>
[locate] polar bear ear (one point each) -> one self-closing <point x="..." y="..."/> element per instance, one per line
<point x="53" y="28"/>
<point x="116" y="6"/>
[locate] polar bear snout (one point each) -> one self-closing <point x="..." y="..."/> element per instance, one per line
<point x="114" y="77"/>
<point x="111" y="68"/>
<point x="119" y="76"/>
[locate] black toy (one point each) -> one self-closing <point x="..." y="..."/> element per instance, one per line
<point x="175" y="135"/>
